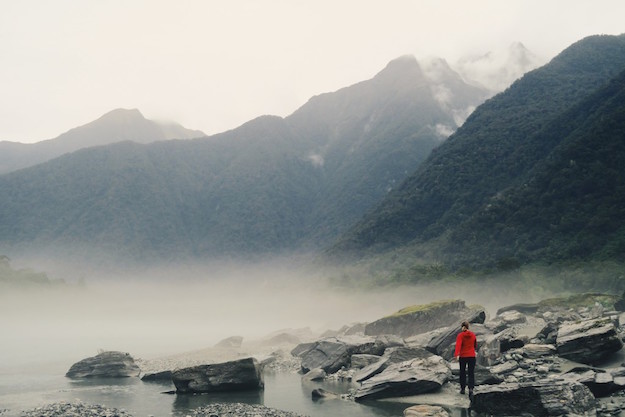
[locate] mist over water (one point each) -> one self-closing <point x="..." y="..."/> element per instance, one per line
<point x="179" y="309"/>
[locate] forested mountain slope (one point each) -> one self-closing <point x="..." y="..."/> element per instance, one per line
<point x="115" y="126"/>
<point x="500" y="147"/>
<point x="273" y="185"/>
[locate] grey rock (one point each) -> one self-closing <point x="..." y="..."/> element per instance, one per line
<point x="317" y="374"/>
<point x="360" y="360"/>
<point x="110" y="364"/>
<point x="423" y="410"/>
<point x="391" y="356"/>
<point x="542" y="398"/>
<point x="510" y="339"/>
<point x="302" y="348"/>
<point x="588" y="341"/>
<point x="157" y="376"/>
<point x="239" y="375"/>
<point x="535" y="350"/>
<point x="318" y="393"/>
<point x="230" y="342"/>
<point x="505" y="368"/>
<point x="505" y="320"/>
<point x="405" y="353"/>
<point x="282" y="339"/>
<point x="600" y="382"/>
<point x="332" y="354"/>
<point x="417" y="376"/>
<point x="371" y="370"/>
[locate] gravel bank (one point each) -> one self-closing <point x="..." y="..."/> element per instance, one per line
<point x="240" y="410"/>
<point x="212" y="410"/>
<point x="74" y="409"/>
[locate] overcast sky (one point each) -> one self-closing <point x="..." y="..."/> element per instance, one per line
<point x="213" y="65"/>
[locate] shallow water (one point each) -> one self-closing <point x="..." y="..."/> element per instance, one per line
<point x="282" y="391"/>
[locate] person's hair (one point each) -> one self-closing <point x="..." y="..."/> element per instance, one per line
<point x="465" y="324"/>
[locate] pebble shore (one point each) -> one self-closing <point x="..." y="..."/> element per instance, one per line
<point x="77" y="409"/>
<point x="240" y="410"/>
<point x="80" y="409"/>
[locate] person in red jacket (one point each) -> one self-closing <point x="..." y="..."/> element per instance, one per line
<point x="466" y="345"/>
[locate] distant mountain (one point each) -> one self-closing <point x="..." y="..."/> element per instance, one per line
<point x="272" y="185"/>
<point x="499" y="69"/>
<point x="531" y="176"/>
<point x="116" y="126"/>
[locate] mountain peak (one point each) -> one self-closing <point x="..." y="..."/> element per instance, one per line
<point x="405" y="66"/>
<point x="123" y="114"/>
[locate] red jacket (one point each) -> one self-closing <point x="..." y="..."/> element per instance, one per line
<point x="466" y="344"/>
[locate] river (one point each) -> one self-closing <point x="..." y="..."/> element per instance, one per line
<point x="283" y="391"/>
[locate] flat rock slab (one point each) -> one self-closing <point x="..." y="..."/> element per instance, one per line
<point x="543" y="398"/>
<point x="240" y="375"/>
<point x="412" y="377"/>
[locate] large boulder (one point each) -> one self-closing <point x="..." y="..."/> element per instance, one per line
<point x="232" y="342"/>
<point x="601" y="382"/>
<point x="588" y="341"/>
<point x="239" y="375"/>
<point x="417" y="376"/>
<point x="505" y="320"/>
<point x="334" y="353"/>
<point x="361" y="360"/>
<point x="391" y="356"/>
<point x="418" y="319"/>
<point x="541" y="398"/>
<point x="159" y="376"/>
<point x="105" y="365"/>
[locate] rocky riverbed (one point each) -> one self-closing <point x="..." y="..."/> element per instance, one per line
<point x="212" y="410"/>
<point x="557" y="357"/>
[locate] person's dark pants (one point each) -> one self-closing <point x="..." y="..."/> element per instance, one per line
<point x="464" y="363"/>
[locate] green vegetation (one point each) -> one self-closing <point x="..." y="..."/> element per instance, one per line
<point x="533" y="280"/>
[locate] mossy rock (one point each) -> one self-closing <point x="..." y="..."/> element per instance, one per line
<point x="579" y="300"/>
<point x="417" y="319"/>
<point x="436" y="305"/>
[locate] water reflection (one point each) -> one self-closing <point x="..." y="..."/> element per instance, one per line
<point x="185" y="402"/>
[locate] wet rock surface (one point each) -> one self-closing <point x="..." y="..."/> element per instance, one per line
<point x="105" y="365"/>
<point x="240" y="375"/>
<point x="540" y="398"/>
<point x="411" y="377"/>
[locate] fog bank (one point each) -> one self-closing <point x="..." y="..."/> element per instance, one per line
<point x="182" y="309"/>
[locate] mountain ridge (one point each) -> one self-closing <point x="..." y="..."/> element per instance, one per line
<point x="114" y="126"/>
<point x="271" y="185"/>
